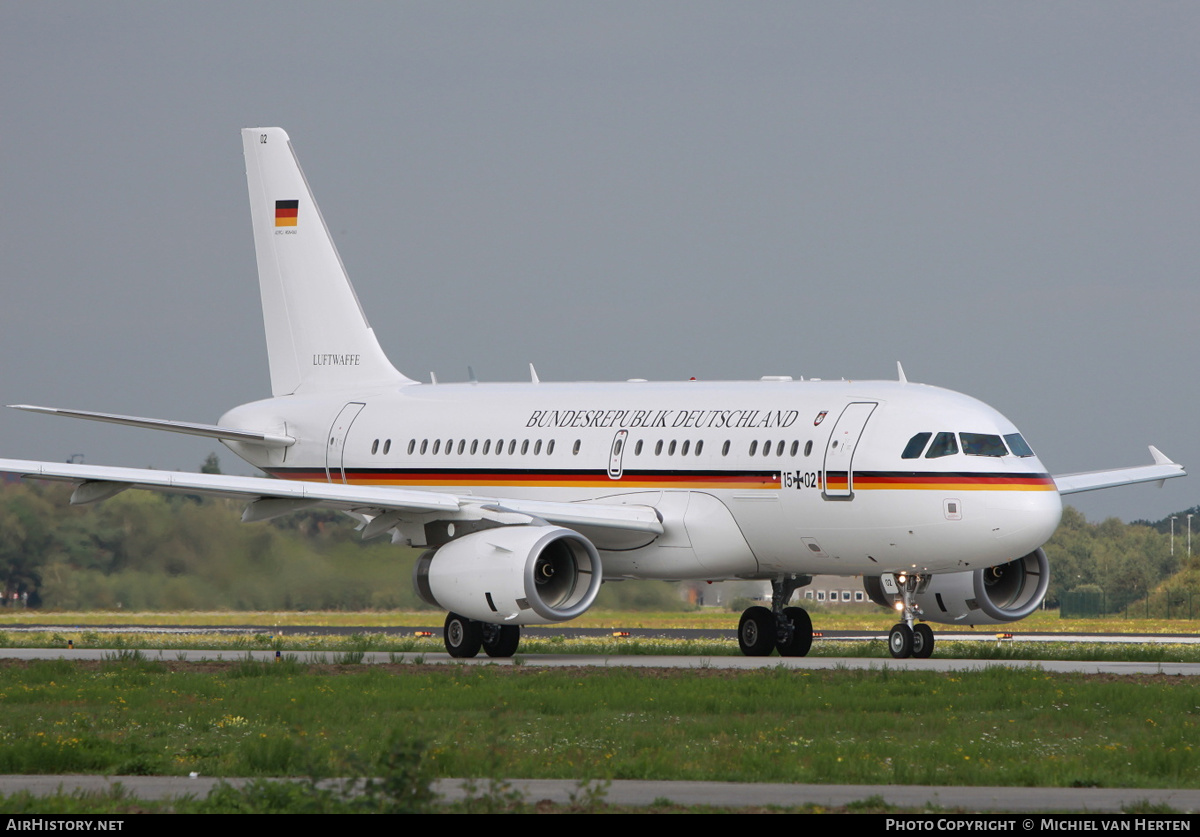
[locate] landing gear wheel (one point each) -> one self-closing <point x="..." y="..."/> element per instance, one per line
<point x="462" y="636"/>
<point x="900" y="641"/>
<point x="922" y="641"/>
<point x="800" y="641"/>
<point x="500" y="640"/>
<point x="756" y="632"/>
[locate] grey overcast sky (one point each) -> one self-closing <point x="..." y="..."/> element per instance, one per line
<point x="1003" y="196"/>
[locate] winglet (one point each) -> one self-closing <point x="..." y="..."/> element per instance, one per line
<point x="1160" y="458"/>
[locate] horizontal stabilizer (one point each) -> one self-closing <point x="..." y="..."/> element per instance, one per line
<point x="212" y="431"/>
<point x="1162" y="469"/>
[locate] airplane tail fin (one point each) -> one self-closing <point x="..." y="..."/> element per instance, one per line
<point x="318" y="337"/>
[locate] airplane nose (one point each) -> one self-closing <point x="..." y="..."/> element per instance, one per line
<point x="1025" y="519"/>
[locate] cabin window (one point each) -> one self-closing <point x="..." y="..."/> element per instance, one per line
<point x="537" y="447"/>
<point x="637" y="449"/>
<point x="753" y="448"/>
<point x="375" y="447"/>
<point x="524" y="447"/>
<point x="512" y="446"/>
<point x="944" y="444"/>
<point x="767" y="448"/>
<point x="658" y="448"/>
<point x="424" y="445"/>
<point x="725" y="448"/>
<point x="549" y="447"/>
<point x="808" y="447"/>
<point x="412" y="445"/>
<point x="487" y="446"/>
<point x="499" y="446"/>
<point x="462" y="443"/>
<point x="779" y="448"/>
<point x="671" y="448"/>
<point x="683" y="450"/>
<point x="982" y="444"/>
<point x="387" y="446"/>
<point x="575" y="450"/>
<point x="915" y="445"/>
<point x="795" y="448"/>
<point x="474" y="446"/>
<point x="1016" y="443"/>
<point x="699" y="447"/>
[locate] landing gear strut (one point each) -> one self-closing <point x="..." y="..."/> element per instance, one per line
<point x="500" y="640"/>
<point x="464" y="637"/>
<point x="906" y="639"/>
<point x="788" y="629"/>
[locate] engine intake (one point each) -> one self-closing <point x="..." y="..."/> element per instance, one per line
<point x="991" y="596"/>
<point x="517" y="575"/>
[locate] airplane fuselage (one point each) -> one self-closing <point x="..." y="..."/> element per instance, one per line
<point x="751" y="479"/>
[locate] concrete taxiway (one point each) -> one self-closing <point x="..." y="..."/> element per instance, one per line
<point x="739" y="663"/>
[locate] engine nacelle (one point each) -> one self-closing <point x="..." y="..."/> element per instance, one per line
<point x="991" y="596"/>
<point x="512" y="575"/>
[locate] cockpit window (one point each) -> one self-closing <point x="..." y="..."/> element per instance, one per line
<point x="1016" y="443"/>
<point x="982" y="444"/>
<point x="944" y="444"/>
<point x="915" y="445"/>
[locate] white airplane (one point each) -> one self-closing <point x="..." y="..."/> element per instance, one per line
<point x="527" y="496"/>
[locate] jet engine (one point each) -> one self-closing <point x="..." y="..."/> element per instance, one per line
<point x="512" y="575"/>
<point x="1003" y="593"/>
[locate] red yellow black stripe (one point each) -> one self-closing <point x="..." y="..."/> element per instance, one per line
<point x="548" y="478"/>
<point x="950" y="481"/>
<point x="566" y="478"/>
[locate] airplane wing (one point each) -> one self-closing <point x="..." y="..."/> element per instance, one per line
<point x="1162" y="469"/>
<point x="269" y="498"/>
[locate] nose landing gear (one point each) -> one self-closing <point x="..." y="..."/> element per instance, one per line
<point x="906" y="639"/>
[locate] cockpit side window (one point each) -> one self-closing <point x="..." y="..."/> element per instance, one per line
<point x="944" y="444"/>
<point x="915" y="445"/>
<point x="1017" y="444"/>
<point x="982" y="444"/>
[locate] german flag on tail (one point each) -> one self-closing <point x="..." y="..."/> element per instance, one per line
<point x="285" y="213"/>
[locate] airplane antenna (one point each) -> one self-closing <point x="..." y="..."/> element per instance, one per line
<point x="533" y="375"/>
<point x="900" y="373"/>
<point x="432" y="378"/>
<point x="471" y="375"/>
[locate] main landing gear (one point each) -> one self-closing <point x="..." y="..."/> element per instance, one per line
<point x="464" y="637"/>
<point x="788" y="629"/>
<point x="905" y="638"/>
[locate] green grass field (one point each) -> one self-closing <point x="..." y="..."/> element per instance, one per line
<point x="995" y="727"/>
